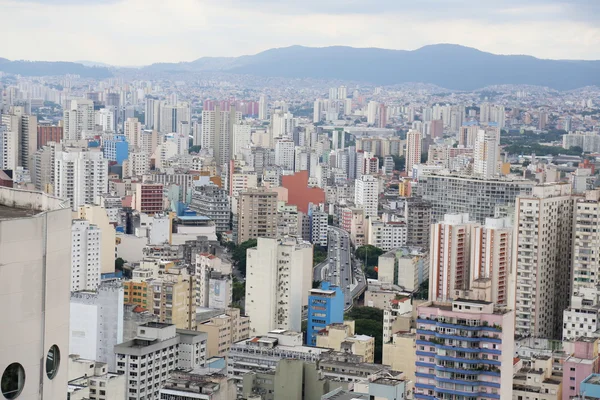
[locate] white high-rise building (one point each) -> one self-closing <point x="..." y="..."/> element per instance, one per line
<point x="372" y="112"/>
<point x="25" y="127"/>
<point x="149" y="140"/>
<point x="217" y="132"/>
<point x="138" y="163"/>
<point x="171" y="115"/>
<point x="366" y="194"/>
<point x="242" y="138"/>
<point x="485" y="154"/>
<point x="85" y="255"/>
<point x="542" y="255"/>
<point x="413" y="150"/>
<point x="78" y="118"/>
<point x="105" y="118"/>
<point x="35" y="240"/>
<point x="133" y="131"/>
<point x="80" y="176"/>
<point x="9" y="148"/>
<point x="262" y="108"/>
<point x="449" y="257"/>
<point x="278" y="279"/>
<point x="284" y="154"/>
<point x="152" y="115"/>
<point x="342" y="93"/>
<point x="282" y="124"/>
<point x="96" y="324"/>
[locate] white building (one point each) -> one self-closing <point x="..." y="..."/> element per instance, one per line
<point x="138" y="163"/>
<point x="158" y="349"/>
<point x="282" y="124"/>
<point x="366" y="191"/>
<point x="386" y="235"/>
<point x="278" y="278"/>
<point x="485" y="154"/>
<point x="78" y="119"/>
<point x="9" y="148"/>
<point x="105" y="118"/>
<point x="35" y="238"/>
<point x="542" y="257"/>
<point x="242" y="135"/>
<point x="85" y="255"/>
<point x="94" y="377"/>
<point x="96" y="323"/>
<point x="80" y="176"/>
<point x="319" y="222"/>
<point x="133" y="132"/>
<point x="284" y="153"/>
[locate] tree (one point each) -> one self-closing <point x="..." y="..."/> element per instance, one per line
<point x="526" y="163"/>
<point x="119" y="262"/>
<point x="423" y="291"/>
<point x="239" y="255"/>
<point x="316" y="284"/>
<point x="399" y="162"/>
<point x="330" y="219"/>
<point x="194" y="149"/>
<point x="424" y="158"/>
<point x="371" y="254"/>
<point x="239" y="291"/>
<point x="319" y="254"/>
<point x="369" y="321"/>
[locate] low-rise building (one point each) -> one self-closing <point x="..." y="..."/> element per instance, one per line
<point x="223" y="330"/>
<point x="536" y="379"/>
<point x="93" y="378"/>
<point x="190" y="386"/>
<point x="342" y="338"/>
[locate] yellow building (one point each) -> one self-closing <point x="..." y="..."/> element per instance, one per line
<point x="224" y="330"/>
<point x="108" y="244"/>
<point x="341" y="337"/>
<point x="174" y="299"/>
<point x="400" y="354"/>
<point x="136" y="293"/>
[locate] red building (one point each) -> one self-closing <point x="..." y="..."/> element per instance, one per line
<point x="149" y="198"/>
<point x="47" y="134"/>
<point x="299" y="194"/>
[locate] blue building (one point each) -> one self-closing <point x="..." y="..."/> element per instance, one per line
<point x="590" y="387"/>
<point x="116" y="148"/>
<point x="325" y="306"/>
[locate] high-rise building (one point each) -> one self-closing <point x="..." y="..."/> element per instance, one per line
<point x="224" y="330"/>
<point x="284" y="153"/>
<point x="467" y="135"/>
<point x="417" y="213"/>
<point x="115" y="148"/>
<point x="105" y="119"/>
<point x="42" y="168"/>
<point x="317" y="110"/>
<point x="257" y="214"/>
<point x="35" y="241"/>
<point x="262" y="108"/>
<point x="491" y="254"/>
<point x="47" y="134"/>
<point x="85" y="256"/>
<point x="152" y="114"/>
<point x="449" y="257"/>
<point x="325" y="307"/>
<point x="282" y="125"/>
<point x="485" y="154"/>
<point x="542" y="258"/>
<point x="241" y="138"/>
<point x="213" y="202"/>
<point x="413" y="150"/>
<point x="25" y="127"/>
<point x="318" y="227"/>
<point x="278" y="278"/>
<point x="78" y="119"/>
<point x="149" y="198"/>
<point x="133" y="129"/>
<point x="98" y="216"/>
<point x="171" y="115"/>
<point x="372" y="112"/>
<point x="218" y="132"/>
<point x="366" y="194"/>
<point x="9" y="148"/>
<point x="491" y="362"/>
<point x="80" y="176"/>
<point x="96" y="324"/>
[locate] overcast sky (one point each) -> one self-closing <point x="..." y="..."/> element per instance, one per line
<point x="139" y="32"/>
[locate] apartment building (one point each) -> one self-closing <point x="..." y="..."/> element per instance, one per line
<point x="224" y="330"/>
<point x="257" y="214"/>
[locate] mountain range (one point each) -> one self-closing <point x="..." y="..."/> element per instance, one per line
<point x="449" y="66"/>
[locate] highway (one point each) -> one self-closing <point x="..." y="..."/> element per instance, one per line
<point x="338" y="268"/>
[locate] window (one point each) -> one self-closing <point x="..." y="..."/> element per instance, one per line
<point x="13" y="381"/>
<point x="52" y="361"/>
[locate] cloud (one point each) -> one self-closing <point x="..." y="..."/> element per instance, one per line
<point x="137" y="32"/>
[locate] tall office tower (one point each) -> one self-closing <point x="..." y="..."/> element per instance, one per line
<point x="567" y="124"/>
<point x="96" y="323"/>
<point x="9" y="148"/>
<point x="491" y="252"/>
<point x="372" y="112"/>
<point x="278" y="278"/>
<point x="25" y="127"/>
<point x="542" y="258"/>
<point x="485" y="154"/>
<point x="282" y="124"/>
<point x="47" y="134"/>
<point x="152" y="113"/>
<point x="85" y="256"/>
<point x="217" y="132"/>
<point x="449" y="257"/>
<point x="211" y="126"/>
<point x="257" y="214"/>
<point x="485" y="112"/>
<point x="263" y="110"/>
<point x="317" y="110"/>
<point x="35" y="241"/>
<point x="417" y="213"/>
<point x="333" y="93"/>
<point x="213" y="202"/>
<point x="542" y="120"/>
<point x="472" y="320"/>
<point x="467" y="135"/>
<point x="105" y="118"/>
<point x="366" y="194"/>
<point x="80" y="176"/>
<point x="413" y="150"/>
<point x="325" y="307"/>
<point x="284" y="153"/>
<point x="172" y="114"/>
<point x="499" y="116"/>
<point x="342" y="92"/>
<point x="78" y="119"/>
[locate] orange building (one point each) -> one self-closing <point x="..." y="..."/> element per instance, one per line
<point x="299" y="194"/>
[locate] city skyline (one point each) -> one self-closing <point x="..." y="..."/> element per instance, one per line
<point x="135" y="32"/>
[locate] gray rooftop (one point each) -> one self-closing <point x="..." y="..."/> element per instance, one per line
<point x="13" y="212"/>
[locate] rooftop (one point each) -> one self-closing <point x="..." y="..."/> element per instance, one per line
<point x="13" y="212"/>
<point x="593" y="379"/>
<point x="388" y="381"/>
